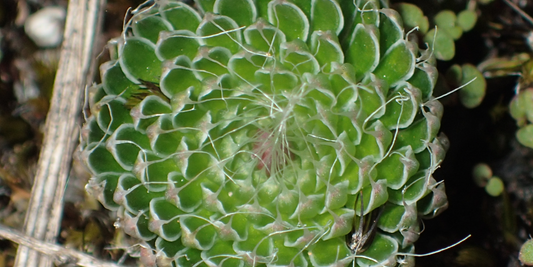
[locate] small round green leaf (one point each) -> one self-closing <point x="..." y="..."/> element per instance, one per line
<point x="526" y="253"/>
<point x="467" y="19"/>
<point x="522" y="107"/>
<point x="481" y="173"/>
<point x="455" y="74"/>
<point x="441" y="43"/>
<point x="525" y="135"/>
<point x="412" y="17"/>
<point x="445" y="19"/>
<point x="494" y="186"/>
<point x="517" y="110"/>
<point x="472" y="94"/>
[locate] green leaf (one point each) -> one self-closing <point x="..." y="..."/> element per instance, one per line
<point x="264" y="37"/>
<point x="168" y="214"/>
<point x="179" y="77"/>
<point x="398" y="167"/>
<point x="417" y="188"/>
<point x="494" y="186"/>
<point x="164" y="142"/>
<point x="262" y="8"/>
<point x="441" y="43"/>
<point x="180" y="15"/>
<point x="326" y="15"/>
<point x="363" y="50"/>
<point x="296" y="57"/>
<point x="170" y="249"/>
<point x="217" y="30"/>
<point x="205" y="5"/>
<point x="397" y="65"/>
<point x="133" y="195"/>
<point x="112" y="113"/>
<point x="526" y="253"/>
<point x="304" y="5"/>
<point x="125" y="144"/>
<point x="412" y="17"/>
<point x="521" y="107"/>
<point x="381" y="249"/>
<point x="390" y="29"/>
<point x="391" y="217"/>
<point x="242" y="66"/>
<point x="424" y="78"/>
<point x="91" y="132"/>
<point x="148" y="111"/>
<point x="454" y="32"/>
<point x="276" y="81"/>
<point x="467" y="19"/>
<point x="419" y="134"/>
<point x="472" y="94"/>
<point x="149" y="27"/>
<point x="244" y="15"/>
<point x="319" y="258"/>
<point x="104" y="186"/>
<point x="326" y="48"/>
<point x="217" y="254"/>
<point x="525" y="135"/>
<point x="153" y="171"/>
<point x="177" y="43"/>
<point x="114" y="81"/>
<point x="139" y="61"/>
<point x="445" y="19"/>
<point x="455" y="74"/>
<point x="374" y="100"/>
<point x="211" y="62"/>
<point x="290" y="19"/>
<point x="401" y="111"/>
<point x="481" y="174"/>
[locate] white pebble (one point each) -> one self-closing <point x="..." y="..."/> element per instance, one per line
<point x="45" y="27"/>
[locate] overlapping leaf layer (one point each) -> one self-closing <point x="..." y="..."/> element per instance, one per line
<point x="242" y="133"/>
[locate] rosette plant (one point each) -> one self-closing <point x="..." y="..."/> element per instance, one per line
<point x="267" y="133"/>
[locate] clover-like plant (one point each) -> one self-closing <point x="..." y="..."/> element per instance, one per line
<point x="258" y="133"/>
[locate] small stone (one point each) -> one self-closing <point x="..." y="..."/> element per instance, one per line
<point x="45" y="27"/>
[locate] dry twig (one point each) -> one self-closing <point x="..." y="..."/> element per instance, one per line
<point x="61" y="129"/>
<point x="60" y="254"/>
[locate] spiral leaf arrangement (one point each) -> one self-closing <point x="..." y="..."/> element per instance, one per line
<point x="258" y="133"/>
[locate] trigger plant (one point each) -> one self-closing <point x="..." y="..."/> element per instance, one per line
<point x="241" y="133"/>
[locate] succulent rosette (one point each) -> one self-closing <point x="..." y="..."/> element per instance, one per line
<point x="258" y="133"/>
